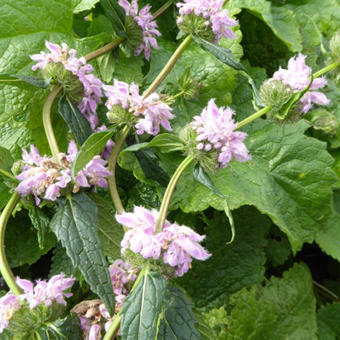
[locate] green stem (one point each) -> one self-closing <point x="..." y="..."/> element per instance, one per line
<point x="168" y="67"/>
<point x="162" y="9"/>
<point x="47" y="122"/>
<point x="326" y="69"/>
<point x="253" y="116"/>
<point x="178" y="94"/>
<point x="169" y="192"/>
<point x="112" y="167"/>
<point x="4" y="267"/>
<point x="107" y="48"/>
<point x="7" y="174"/>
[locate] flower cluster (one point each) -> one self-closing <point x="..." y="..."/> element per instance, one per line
<point x="215" y="132"/>
<point x="93" y="313"/>
<point x="298" y="76"/>
<point x="213" y="14"/>
<point x="44" y="178"/>
<point x="90" y="86"/>
<point x="43" y="293"/>
<point x="145" y="22"/>
<point x="146" y="114"/>
<point x="176" y="245"/>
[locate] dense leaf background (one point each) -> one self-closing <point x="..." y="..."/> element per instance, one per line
<point x="280" y="278"/>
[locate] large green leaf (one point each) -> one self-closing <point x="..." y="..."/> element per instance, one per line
<point x="178" y="321"/>
<point x="142" y="308"/>
<point x="281" y="20"/>
<point x="110" y="231"/>
<point x="83" y="5"/>
<point x="231" y="267"/>
<point x="76" y="227"/>
<point x="282" y="309"/>
<point x="329" y="321"/>
<point x="289" y="178"/>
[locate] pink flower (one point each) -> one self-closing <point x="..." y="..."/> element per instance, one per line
<point x="44" y="178"/>
<point x="78" y="67"/>
<point x="175" y="245"/>
<point x="8" y="305"/>
<point x="212" y="11"/>
<point x="151" y="112"/>
<point x="145" y="21"/>
<point x="298" y="77"/>
<point x="215" y="131"/>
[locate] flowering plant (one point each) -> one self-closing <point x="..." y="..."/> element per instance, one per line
<point x="169" y="170"/>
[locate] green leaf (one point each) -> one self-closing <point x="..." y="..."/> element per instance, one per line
<point x="83" y="5"/>
<point x="110" y="231"/>
<point x="329" y="321"/>
<point x="6" y="159"/>
<point x="77" y="123"/>
<point x="281" y="20"/>
<point x="62" y="329"/>
<point x="142" y="308"/>
<point x="20" y="80"/>
<point x="282" y="180"/>
<point x="22" y="246"/>
<point x="135" y="147"/>
<point x="231" y="267"/>
<point x="93" y="146"/>
<point x="76" y="227"/>
<point x="41" y="223"/>
<point x="178" y="322"/>
<point x="167" y="142"/>
<point x="116" y="14"/>
<point x="282" y="309"/>
<point x="221" y="53"/>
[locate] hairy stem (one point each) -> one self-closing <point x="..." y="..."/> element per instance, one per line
<point x="4" y="267"/>
<point x="253" y="116"/>
<point x="52" y="142"/>
<point x="112" y="167"/>
<point x="162" y="9"/>
<point x="107" y="48"/>
<point x="168" y="67"/>
<point x="7" y="174"/>
<point x="169" y="192"/>
<point x="326" y="69"/>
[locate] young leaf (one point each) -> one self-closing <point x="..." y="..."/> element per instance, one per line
<point x="135" y="147"/>
<point x="77" y="123"/>
<point x="142" y="308"/>
<point x="167" y="142"/>
<point x="178" y="321"/>
<point x="93" y="146"/>
<point x="41" y="223"/>
<point x="220" y="52"/>
<point x="116" y="14"/>
<point x="76" y="227"/>
<point x="23" y="81"/>
<point x="6" y="159"/>
<point x="110" y="231"/>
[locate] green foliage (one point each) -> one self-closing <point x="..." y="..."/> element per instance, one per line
<point x="329" y="321"/>
<point x="76" y="227"/>
<point x="83" y="5"/>
<point x="231" y="267"/>
<point x="282" y="309"/>
<point x="178" y="320"/>
<point x="142" y="308"/>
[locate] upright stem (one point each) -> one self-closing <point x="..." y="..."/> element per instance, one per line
<point x="168" y="67"/>
<point x="169" y="192"/>
<point x="110" y="46"/>
<point x="253" y="116"/>
<point x="47" y="122"/>
<point x="326" y="69"/>
<point x="4" y="267"/>
<point x="162" y="9"/>
<point x="112" y="167"/>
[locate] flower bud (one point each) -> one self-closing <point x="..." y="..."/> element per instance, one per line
<point x="334" y="46"/>
<point x="119" y="116"/>
<point x="275" y="93"/>
<point x="191" y="24"/>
